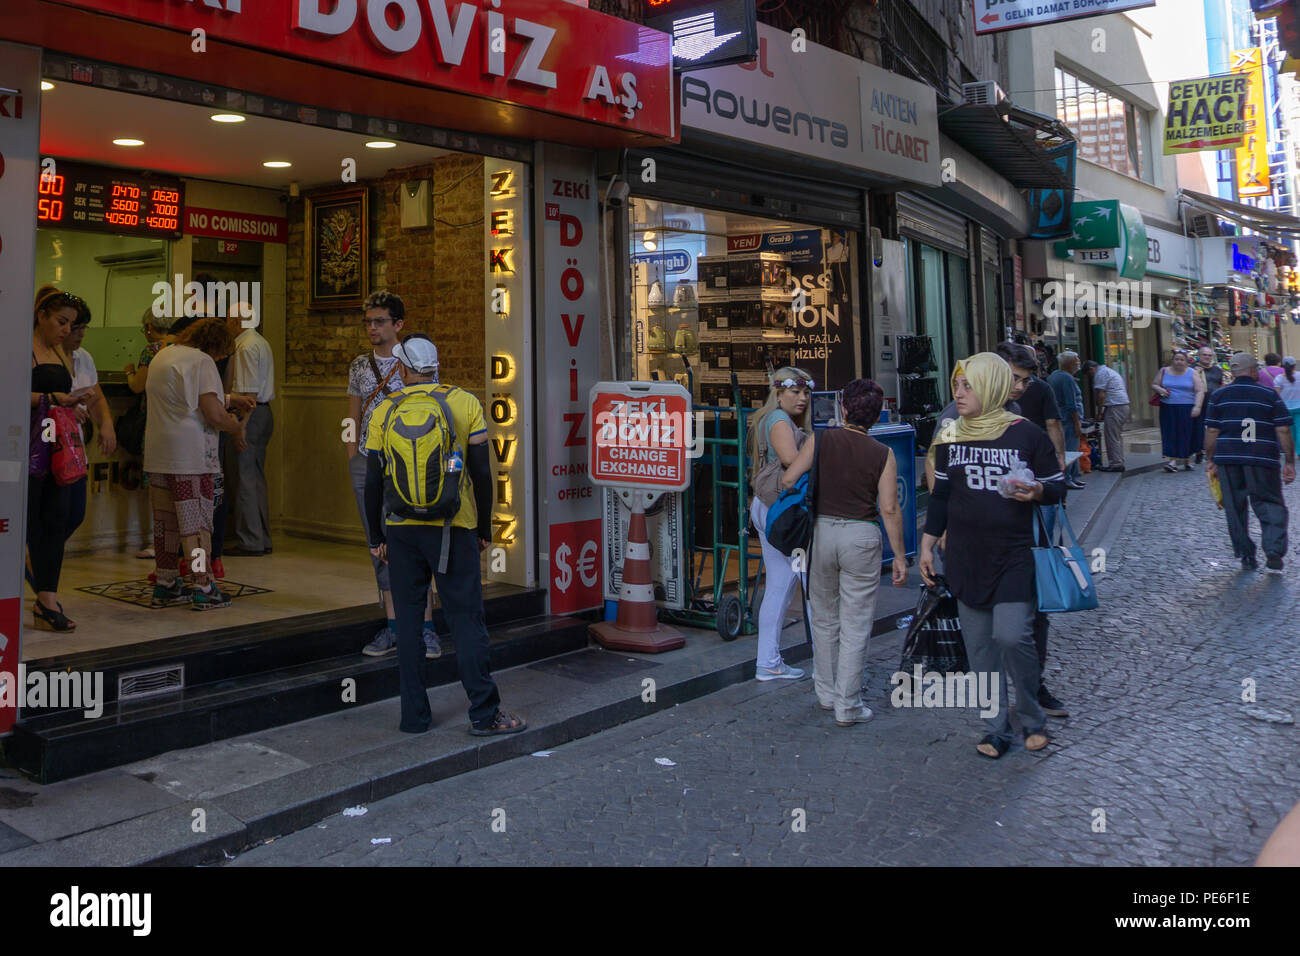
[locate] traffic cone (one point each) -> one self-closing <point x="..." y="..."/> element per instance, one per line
<point x="637" y="626"/>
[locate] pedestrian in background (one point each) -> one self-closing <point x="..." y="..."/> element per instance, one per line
<point x="1069" y="400"/>
<point x="988" y="559"/>
<point x="157" y="334"/>
<point x="372" y="377"/>
<point x="447" y="549"/>
<point x="1287" y="386"/>
<point x="1212" y="375"/>
<point x="49" y="504"/>
<point x="857" y="483"/>
<point x="1112" y="398"/>
<point x="1271" y="370"/>
<point x="1181" y="391"/>
<point x="251" y="374"/>
<point x="85" y="378"/>
<point x="1246" y="428"/>
<point x="776" y="433"/>
<point x="187" y="408"/>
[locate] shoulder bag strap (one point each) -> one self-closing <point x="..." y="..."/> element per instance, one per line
<point x="383" y="383"/>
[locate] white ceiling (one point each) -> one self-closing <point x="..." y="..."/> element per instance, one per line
<point x="81" y="122"/>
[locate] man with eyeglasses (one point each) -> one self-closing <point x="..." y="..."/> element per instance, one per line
<point x="420" y="545"/>
<point x="372" y="377"/>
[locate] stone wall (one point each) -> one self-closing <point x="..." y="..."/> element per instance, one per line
<point x="437" y="271"/>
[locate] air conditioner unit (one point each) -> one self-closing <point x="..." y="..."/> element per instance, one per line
<point x="985" y="93"/>
<point x="1202" y="224"/>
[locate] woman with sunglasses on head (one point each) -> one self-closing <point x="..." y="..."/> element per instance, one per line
<point x="49" y="504"/>
<point x="776" y="433"/>
<point x="1182" y="391"/>
<point x="85" y="377"/>
<point x="988" y="516"/>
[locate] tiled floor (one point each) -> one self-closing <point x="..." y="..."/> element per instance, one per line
<point x="304" y="576"/>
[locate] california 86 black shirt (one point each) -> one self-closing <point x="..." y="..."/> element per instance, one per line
<point x="987" y="558"/>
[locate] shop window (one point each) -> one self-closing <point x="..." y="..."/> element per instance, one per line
<point x="715" y="293"/>
<point x="939" y="302"/>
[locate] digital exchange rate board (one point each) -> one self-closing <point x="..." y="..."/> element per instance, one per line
<point x="101" y="199"/>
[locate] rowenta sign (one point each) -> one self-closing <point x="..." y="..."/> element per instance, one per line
<point x="823" y="104"/>
<point x="558" y="57"/>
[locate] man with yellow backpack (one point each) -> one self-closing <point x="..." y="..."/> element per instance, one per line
<point x="425" y="441"/>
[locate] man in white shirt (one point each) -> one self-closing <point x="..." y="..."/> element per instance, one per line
<point x="251" y="373"/>
<point x="1112" y="397"/>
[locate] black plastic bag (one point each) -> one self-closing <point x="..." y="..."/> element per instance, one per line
<point x="934" y="639"/>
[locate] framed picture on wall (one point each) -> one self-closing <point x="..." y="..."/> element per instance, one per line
<point x="337" y="243"/>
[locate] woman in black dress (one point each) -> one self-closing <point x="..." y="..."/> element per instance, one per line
<point x="49" y="504"/>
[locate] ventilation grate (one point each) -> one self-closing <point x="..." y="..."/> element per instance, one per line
<point x="150" y="683"/>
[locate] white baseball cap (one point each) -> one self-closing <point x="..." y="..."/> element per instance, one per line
<point x="419" y="355"/>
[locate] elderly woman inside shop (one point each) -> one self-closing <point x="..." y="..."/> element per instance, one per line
<point x="49" y="503"/>
<point x="776" y="433"/>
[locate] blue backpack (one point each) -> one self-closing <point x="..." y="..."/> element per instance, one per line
<point x="790" y="519"/>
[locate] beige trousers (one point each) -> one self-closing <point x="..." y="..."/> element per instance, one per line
<point x="844" y="576"/>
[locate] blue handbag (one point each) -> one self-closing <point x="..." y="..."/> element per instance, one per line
<point x="1060" y="568"/>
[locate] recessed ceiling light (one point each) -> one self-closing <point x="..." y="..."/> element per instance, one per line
<point x="380" y="144"/>
<point x="227" y="118"/>
<point x="276" y="164"/>
<point x="126" y="141"/>
<point x="46" y="85"/>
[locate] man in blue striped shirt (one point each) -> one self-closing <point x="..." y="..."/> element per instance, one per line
<point x="1246" y="428"/>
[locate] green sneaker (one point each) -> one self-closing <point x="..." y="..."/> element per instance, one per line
<point x="209" y="600"/>
<point x="165" y="596"/>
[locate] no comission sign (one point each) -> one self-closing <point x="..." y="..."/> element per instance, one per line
<point x="641" y="435"/>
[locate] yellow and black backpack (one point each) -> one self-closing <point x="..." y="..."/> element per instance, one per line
<point x="424" y="464"/>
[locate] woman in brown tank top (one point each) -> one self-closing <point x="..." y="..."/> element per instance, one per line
<point x="857" y="483"/>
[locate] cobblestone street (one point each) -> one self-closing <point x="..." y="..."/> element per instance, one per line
<point x="1160" y="745"/>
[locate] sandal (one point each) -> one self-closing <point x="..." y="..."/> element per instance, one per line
<point x="1036" y="739"/>
<point x="501" y="723"/>
<point x="57" y="620"/>
<point x="996" y="747"/>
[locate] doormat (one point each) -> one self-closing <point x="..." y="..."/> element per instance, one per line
<point x="140" y="593"/>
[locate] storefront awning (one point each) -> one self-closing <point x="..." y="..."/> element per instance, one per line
<point x="1011" y="140"/>
<point x="1264" y="221"/>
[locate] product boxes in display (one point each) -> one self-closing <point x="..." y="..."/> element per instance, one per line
<point x="754" y="356"/>
<point x="714" y="274"/>
<point x="715" y="350"/>
<point x="715" y="316"/>
<point x="758" y="270"/>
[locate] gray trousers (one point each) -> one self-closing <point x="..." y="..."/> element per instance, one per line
<point x="844" y="577"/>
<point x="246" y="482"/>
<point x="1262" y="486"/>
<point x="357" y="472"/>
<point x="1000" y="641"/>
<point x="1114" y="418"/>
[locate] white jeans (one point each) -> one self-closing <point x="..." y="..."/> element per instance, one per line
<point x="776" y="593"/>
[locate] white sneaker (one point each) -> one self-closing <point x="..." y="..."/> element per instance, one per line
<point x="860" y="717"/>
<point x="784" y="672"/>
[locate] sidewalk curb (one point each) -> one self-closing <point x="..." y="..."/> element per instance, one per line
<point x="1114" y="489"/>
<point x="345" y="784"/>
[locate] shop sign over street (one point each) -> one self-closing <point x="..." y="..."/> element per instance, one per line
<point x="823" y="104"/>
<point x="641" y="435"/>
<point x="556" y="57"/>
<point x="1207" y="113"/>
<point x="992" y="16"/>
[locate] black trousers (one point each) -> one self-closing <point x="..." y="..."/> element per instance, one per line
<point x="49" y="509"/>
<point x="1262" y="487"/>
<point x="413" y="552"/>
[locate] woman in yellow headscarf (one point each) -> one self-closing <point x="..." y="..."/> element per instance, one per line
<point x="991" y="467"/>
